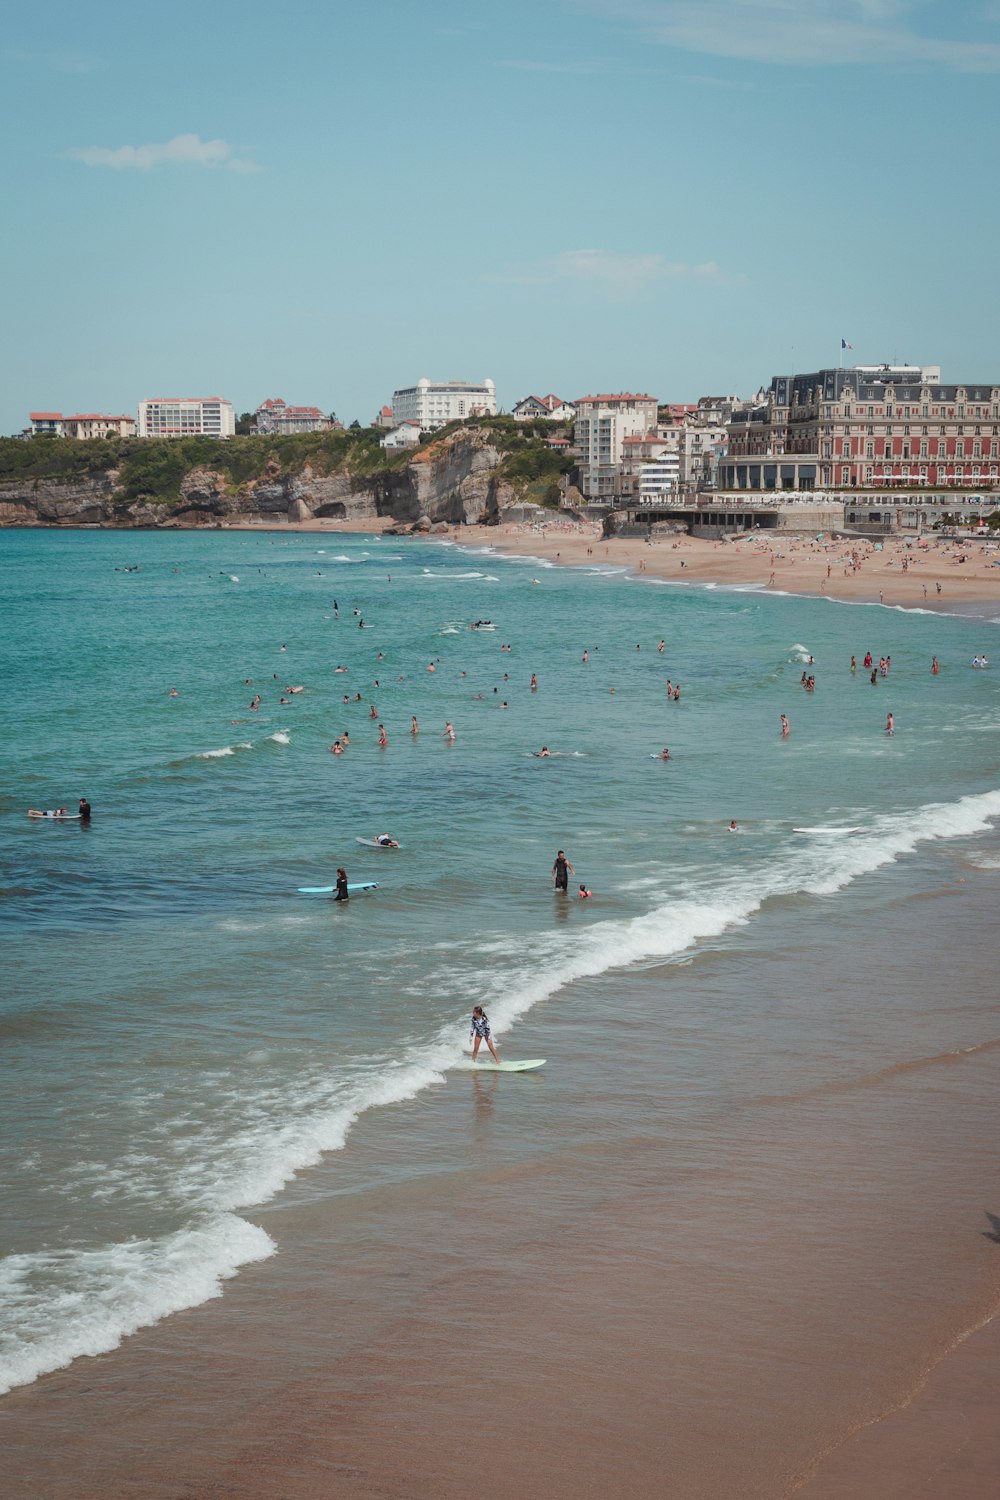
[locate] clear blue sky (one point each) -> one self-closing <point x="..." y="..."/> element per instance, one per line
<point x="323" y="201"/>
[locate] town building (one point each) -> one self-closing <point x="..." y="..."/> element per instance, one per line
<point x="546" y="408"/>
<point x="277" y="417"/>
<point x="432" y="405"/>
<point x="602" y="425"/>
<point x="82" y="425"/>
<point x="404" y="435"/>
<point x="871" y="427"/>
<point x="384" y="418"/>
<point x="186" y="416"/>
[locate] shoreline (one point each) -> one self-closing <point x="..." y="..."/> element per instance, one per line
<point x="942" y="574"/>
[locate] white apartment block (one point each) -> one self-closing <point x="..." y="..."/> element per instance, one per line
<point x="659" y="480"/>
<point x="602" y="425"/>
<point x="432" y="405"/>
<point x="186" y="416"/>
<point x="406" y="435"/>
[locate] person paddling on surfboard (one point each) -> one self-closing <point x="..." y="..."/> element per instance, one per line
<point x="480" y="1032"/>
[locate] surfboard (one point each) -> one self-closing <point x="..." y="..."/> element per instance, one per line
<point x="828" y="830"/>
<point x="55" y="817"/>
<point x="524" y="1066"/>
<point x="353" y="887"/>
<point x="374" y="844"/>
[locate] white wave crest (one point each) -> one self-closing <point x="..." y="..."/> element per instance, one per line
<point x="61" y="1304"/>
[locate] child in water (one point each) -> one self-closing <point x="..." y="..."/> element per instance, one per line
<point x="480" y="1032"/>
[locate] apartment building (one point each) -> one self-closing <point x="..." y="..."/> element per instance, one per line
<point x="602" y="425"/>
<point x="868" y="426"/>
<point x="433" y="404"/>
<point x="186" y="416"/>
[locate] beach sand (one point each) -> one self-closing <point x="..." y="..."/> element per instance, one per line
<point x="531" y="1336"/>
<point x="940" y="573"/>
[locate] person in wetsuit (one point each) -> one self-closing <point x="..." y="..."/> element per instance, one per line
<point x="342" y="892"/>
<point x="561" y="871"/>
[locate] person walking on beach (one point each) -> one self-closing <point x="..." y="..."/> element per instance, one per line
<point x="342" y="893"/>
<point x="480" y="1032"/>
<point x="561" y="871"/>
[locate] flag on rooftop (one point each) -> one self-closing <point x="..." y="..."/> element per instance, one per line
<point x="845" y="345"/>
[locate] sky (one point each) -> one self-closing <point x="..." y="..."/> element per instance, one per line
<point x="328" y="200"/>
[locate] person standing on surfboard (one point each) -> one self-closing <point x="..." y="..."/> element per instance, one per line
<point x="480" y="1033"/>
<point x="561" y="871"/>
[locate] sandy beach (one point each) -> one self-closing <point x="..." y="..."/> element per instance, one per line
<point x="928" y="572"/>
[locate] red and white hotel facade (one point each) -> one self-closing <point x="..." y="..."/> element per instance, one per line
<point x="866" y="428"/>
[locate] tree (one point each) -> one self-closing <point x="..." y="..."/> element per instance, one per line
<point x="246" y="423"/>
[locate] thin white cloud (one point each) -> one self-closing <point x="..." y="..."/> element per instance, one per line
<point x="805" y="33"/>
<point x="181" y="151"/>
<point x="614" y="271"/>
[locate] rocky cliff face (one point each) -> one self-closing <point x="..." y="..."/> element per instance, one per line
<point x="452" y="481"/>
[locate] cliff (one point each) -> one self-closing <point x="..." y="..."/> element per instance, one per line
<point x="468" y="475"/>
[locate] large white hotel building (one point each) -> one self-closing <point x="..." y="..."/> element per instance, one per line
<point x="432" y="405"/>
<point x="186" y="416"/>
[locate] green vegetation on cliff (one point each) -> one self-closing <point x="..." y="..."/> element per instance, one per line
<point x="153" y="469"/>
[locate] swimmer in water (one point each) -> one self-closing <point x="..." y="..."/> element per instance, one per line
<point x="734" y="827"/>
<point x="664" y="753"/>
<point x="414" y="726"/>
<point x="336" y="748"/>
<point x="584" y="893"/>
<point x="383" y="738"/>
<point x="449" y="732"/>
<point x="785" y="726"/>
<point x="543" y="752"/>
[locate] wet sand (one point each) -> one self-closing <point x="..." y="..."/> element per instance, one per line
<point x="463" y="1305"/>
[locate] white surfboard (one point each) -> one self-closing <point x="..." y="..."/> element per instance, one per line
<point x="353" y="887"/>
<point x="374" y="844"/>
<point x="525" y="1066"/>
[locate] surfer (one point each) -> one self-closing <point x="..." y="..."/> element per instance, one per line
<point x="480" y="1032"/>
<point x="542" y="753"/>
<point x="561" y="871"/>
<point x="55" y="812"/>
<point x="734" y="827"/>
<point x="342" y="893"/>
<point x="386" y="841"/>
<point x="85" y="810"/>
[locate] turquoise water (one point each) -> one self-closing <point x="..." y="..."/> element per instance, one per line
<point x="184" y="1032"/>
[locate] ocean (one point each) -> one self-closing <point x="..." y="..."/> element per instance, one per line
<point x="772" y="1053"/>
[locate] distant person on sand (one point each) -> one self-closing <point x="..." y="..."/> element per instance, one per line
<point x="480" y="1032"/>
<point x="561" y="871"/>
<point x="342" y="893"/>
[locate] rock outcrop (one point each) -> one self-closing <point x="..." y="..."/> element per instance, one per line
<point x="453" y="481"/>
